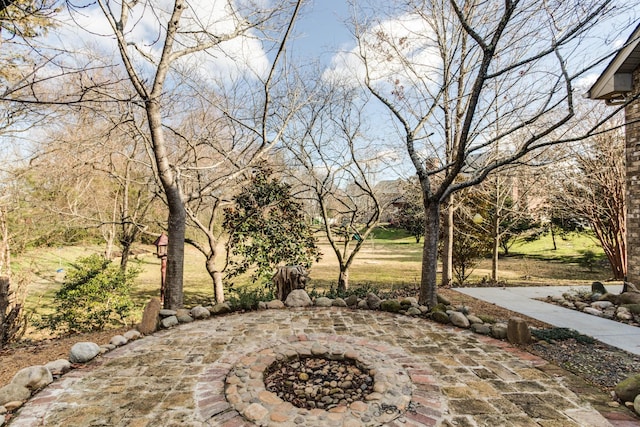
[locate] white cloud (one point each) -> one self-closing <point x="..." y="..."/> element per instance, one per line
<point x="388" y="48"/>
<point x="87" y="29"/>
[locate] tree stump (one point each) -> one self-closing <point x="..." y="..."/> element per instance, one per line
<point x="288" y="278"/>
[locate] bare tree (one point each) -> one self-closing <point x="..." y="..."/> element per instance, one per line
<point x="519" y="58"/>
<point x="336" y="168"/>
<point x="153" y="72"/>
<point x="592" y="186"/>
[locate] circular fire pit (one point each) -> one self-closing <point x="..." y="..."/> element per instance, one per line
<point x="316" y="382"/>
<point x="310" y="383"/>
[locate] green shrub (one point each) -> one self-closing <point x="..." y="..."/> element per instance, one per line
<point x="561" y="334"/>
<point x="96" y="293"/>
<point x="248" y="299"/>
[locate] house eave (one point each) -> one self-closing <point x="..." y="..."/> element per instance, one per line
<point x="616" y="81"/>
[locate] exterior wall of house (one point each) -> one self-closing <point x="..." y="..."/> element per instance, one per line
<point x="632" y="113"/>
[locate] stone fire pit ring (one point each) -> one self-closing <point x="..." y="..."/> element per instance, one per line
<point x="246" y="392"/>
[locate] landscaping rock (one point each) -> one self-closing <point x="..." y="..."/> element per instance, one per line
<point x="184" y="316"/>
<point x="3" y="410"/>
<point x="33" y="377"/>
<point x="373" y="301"/>
<point x="105" y="348"/>
<point x="220" y="308"/>
<point x="168" y="322"/>
<point x="298" y="298"/>
<point x="474" y="319"/>
<point x="440" y="317"/>
<point x="165" y="312"/>
<point x="518" y="331"/>
<point x="352" y="300"/>
<point x="199" y="312"/>
<point x="118" y="340"/>
<point x="598" y="288"/>
<point x="362" y="304"/>
<point x="481" y="328"/>
<point x="414" y="311"/>
<point x="458" y="319"/>
<point x="132" y="335"/>
<point x="14" y="406"/>
<point x="323" y="302"/>
<point x="629" y="298"/>
<point x="442" y="300"/>
<point x="409" y="301"/>
<point x="601" y="305"/>
<point x="13" y="392"/>
<point x="150" y="317"/>
<point x="2" y="420"/>
<point x="58" y="367"/>
<point x="391" y="305"/>
<point x="633" y="308"/>
<point x="636" y="404"/>
<point x="275" y="304"/>
<point x="592" y="311"/>
<point x="626" y="390"/>
<point x="339" y="302"/>
<point x="499" y="331"/>
<point x="83" y="352"/>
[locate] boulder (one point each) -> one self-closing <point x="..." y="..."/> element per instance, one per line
<point x="220" y="308"/>
<point x="323" y="302"/>
<point x="592" y="311"/>
<point x="518" y="331"/>
<point x="481" y="328"/>
<point x="627" y="389"/>
<point x="150" y="317"/>
<point x="391" y="305"/>
<point x="13" y="392"/>
<point x="199" y="312"/>
<point x="409" y="301"/>
<point x="440" y="317"/>
<point x="275" y="304"/>
<point x="339" y="302"/>
<point x="442" y="300"/>
<point x="373" y="301"/>
<point x="184" y="315"/>
<point x="83" y="352"/>
<point x="458" y="319"/>
<point x="33" y="377"/>
<point x="598" y="288"/>
<point x="352" y="300"/>
<point x="629" y="298"/>
<point x="298" y="298"/>
<point x="601" y="305"/>
<point x="132" y="335"/>
<point x="168" y="322"/>
<point x="362" y="304"/>
<point x="414" y="311"/>
<point x="633" y="308"/>
<point x="636" y="404"/>
<point x="474" y="319"/>
<point x="609" y="297"/>
<point x="118" y="340"/>
<point x="499" y="331"/>
<point x="58" y="367"/>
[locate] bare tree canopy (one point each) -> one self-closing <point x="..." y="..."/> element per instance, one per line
<point x="475" y="86"/>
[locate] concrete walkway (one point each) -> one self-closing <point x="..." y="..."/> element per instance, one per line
<point x="189" y="376"/>
<point x="524" y="300"/>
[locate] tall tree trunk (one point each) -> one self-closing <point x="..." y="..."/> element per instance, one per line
<point x="428" y="284"/>
<point x="496" y="244"/>
<point x="343" y="278"/>
<point x="176" y="226"/>
<point x="173" y="297"/>
<point x="216" y="276"/>
<point x="447" y="248"/>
